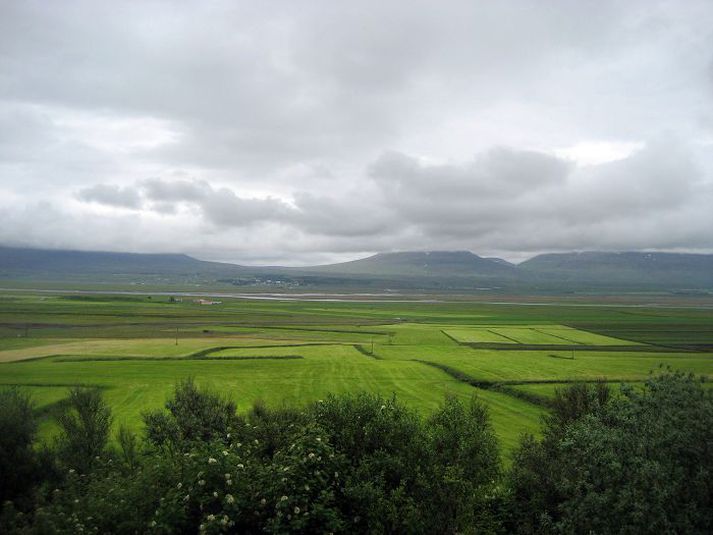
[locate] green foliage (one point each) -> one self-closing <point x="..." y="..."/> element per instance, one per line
<point x="351" y="464"/>
<point x="382" y="441"/>
<point x="193" y="416"/>
<point x="85" y="426"/>
<point x="273" y="429"/>
<point x="572" y="403"/>
<point x="18" y="461"/>
<point x="464" y="466"/>
<point x="640" y="463"/>
<point x="128" y="446"/>
<point x="410" y="476"/>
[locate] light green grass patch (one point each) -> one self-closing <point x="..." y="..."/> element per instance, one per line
<point x="478" y="335"/>
<point x="141" y="347"/>
<point x="579" y="336"/>
<point x="529" y="335"/>
<point x="133" y="387"/>
<point x="514" y="366"/>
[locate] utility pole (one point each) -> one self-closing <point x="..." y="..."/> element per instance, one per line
<point x="176" y="335"/>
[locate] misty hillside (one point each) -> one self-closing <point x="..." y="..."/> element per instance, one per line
<point x="407" y="270"/>
<point x="628" y="268"/>
<point x="20" y="261"/>
<point x="424" y="264"/>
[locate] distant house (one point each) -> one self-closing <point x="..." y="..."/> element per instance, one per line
<point x="206" y="302"/>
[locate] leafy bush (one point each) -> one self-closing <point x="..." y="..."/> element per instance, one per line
<point x="193" y="416"/>
<point x="84" y="429"/>
<point x="384" y="445"/>
<point x="463" y="468"/>
<point x="18" y="462"/>
<point x="410" y="476"/>
<point x="351" y="464"/>
<point x="641" y="463"/>
<point x="128" y="446"/>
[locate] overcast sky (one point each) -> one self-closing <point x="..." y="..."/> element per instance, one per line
<point x="303" y="132"/>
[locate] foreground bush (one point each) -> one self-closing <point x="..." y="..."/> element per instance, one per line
<point x="84" y="429"/>
<point x="349" y="464"/>
<point x="640" y="463"/>
<point x="191" y="416"/>
<point x="18" y="462"/>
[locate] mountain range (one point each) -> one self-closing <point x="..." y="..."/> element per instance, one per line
<point x="457" y="270"/>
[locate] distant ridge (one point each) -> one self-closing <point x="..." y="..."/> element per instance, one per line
<point x="51" y="261"/>
<point x="633" y="268"/>
<point x="424" y="264"/>
<point x="408" y="270"/>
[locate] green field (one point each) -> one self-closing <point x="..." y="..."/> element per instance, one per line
<point x="533" y="335"/>
<point x="294" y="352"/>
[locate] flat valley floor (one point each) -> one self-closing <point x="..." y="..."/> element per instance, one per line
<point x="512" y="356"/>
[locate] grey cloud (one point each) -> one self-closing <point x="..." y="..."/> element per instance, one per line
<point x="322" y="128"/>
<point x="111" y="195"/>
<point x="220" y="206"/>
<point x="355" y="215"/>
<point x="168" y="191"/>
<point x="512" y="199"/>
<point x="223" y="207"/>
<point x="272" y="85"/>
<point x="494" y="173"/>
<point x="538" y="201"/>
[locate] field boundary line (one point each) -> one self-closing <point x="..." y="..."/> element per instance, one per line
<point x="504" y="336"/>
<point x="307" y="329"/>
<point x="505" y="386"/>
<point x="579" y="347"/>
<point x="367" y="352"/>
<point x="556" y="336"/>
<point x="174" y="359"/>
<point x="451" y="337"/>
<point x="202" y="353"/>
<point x="60" y="385"/>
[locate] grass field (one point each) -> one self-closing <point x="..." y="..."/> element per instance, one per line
<point x="291" y="352"/>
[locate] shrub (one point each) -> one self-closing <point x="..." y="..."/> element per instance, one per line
<point x="193" y="416"/>
<point x="84" y="429"/>
<point x="463" y="467"/>
<point x="641" y="463"/>
<point x="273" y="428"/>
<point x="384" y="445"/>
<point x="18" y="461"/>
<point x="128" y="446"/>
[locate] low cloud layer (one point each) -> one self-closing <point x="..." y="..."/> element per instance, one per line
<point x="304" y="134"/>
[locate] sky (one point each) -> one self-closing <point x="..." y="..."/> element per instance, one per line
<point x="310" y="132"/>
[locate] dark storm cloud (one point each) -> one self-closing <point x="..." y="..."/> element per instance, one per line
<point x="320" y="128"/>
